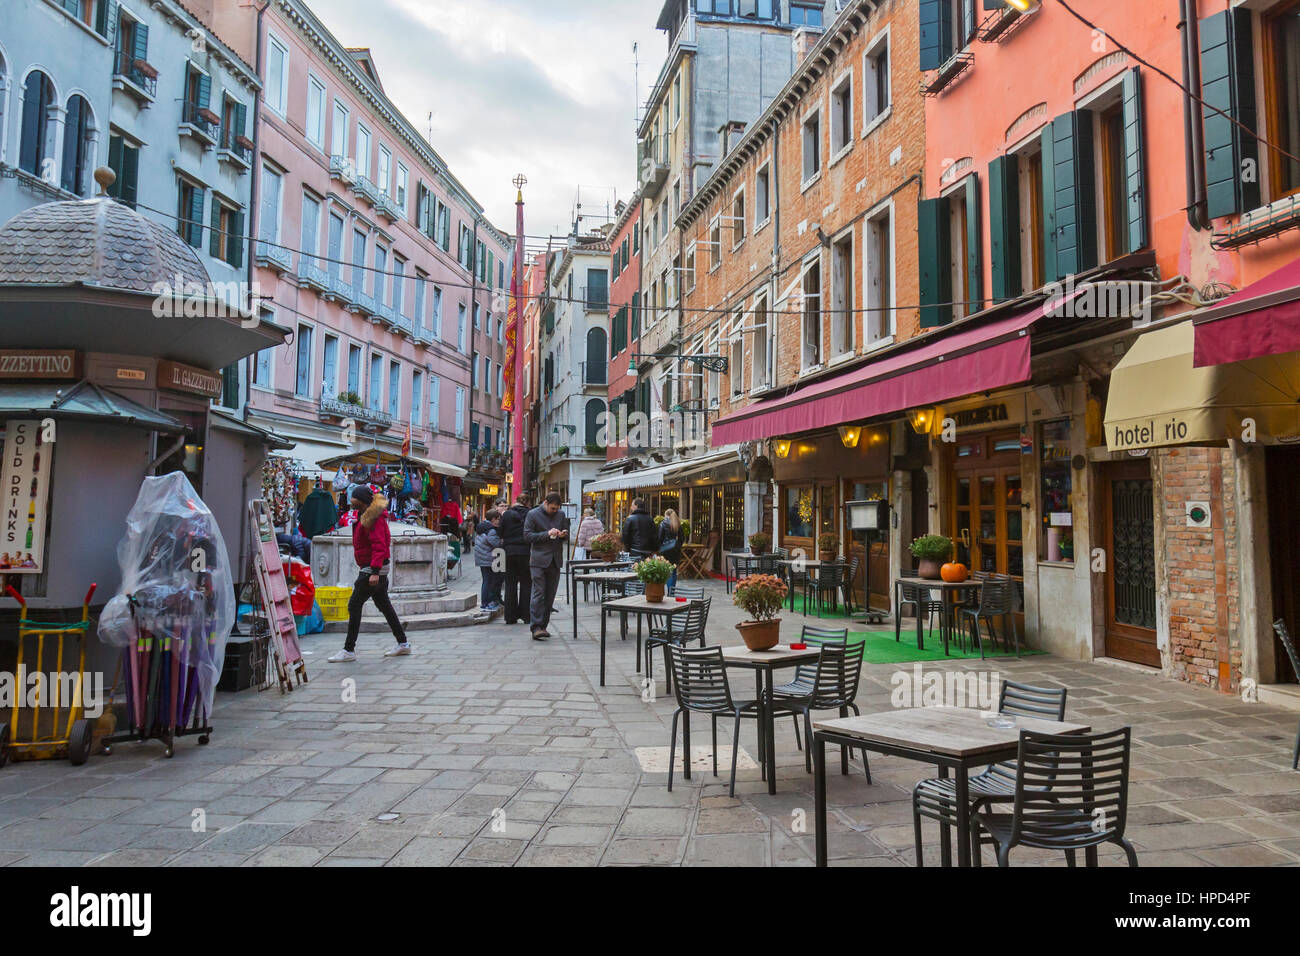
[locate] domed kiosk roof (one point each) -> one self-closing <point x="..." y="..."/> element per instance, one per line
<point x="95" y="242"/>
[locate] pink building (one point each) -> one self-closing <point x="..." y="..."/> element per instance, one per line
<point x="374" y="254"/>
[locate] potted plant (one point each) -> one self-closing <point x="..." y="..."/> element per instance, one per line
<point x="686" y="529"/>
<point x="350" y="398"/>
<point x="605" y="546"/>
<point x="759" y="542"/>
<point x="654" y="573"/>
<point x="760" y="596"/>
<point x="931" y="551"/>
<point x="827" y="544"/>
<point x="562" y="451"/>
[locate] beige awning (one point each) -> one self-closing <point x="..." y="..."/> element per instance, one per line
<point x="1158" y="398"/>
<point x="381" y="457"/>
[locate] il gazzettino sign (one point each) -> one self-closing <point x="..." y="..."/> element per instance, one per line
<point x="25" y="485"/>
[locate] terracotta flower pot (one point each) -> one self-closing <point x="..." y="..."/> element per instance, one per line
<point x="654" y="591"/>
<point x="930" y="568"/>
<point x="760" y="635"/>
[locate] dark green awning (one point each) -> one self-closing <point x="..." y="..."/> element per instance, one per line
<point x="83" y="401"/>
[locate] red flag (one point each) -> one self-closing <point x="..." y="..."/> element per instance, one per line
<point x="512" y="334"/>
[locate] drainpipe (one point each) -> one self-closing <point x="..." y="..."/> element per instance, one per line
<point x="772" y="319"/>
<point x="254" y="195"/>
<point x="1194" y="134"/>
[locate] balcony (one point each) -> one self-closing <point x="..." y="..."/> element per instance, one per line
<point x="652" y="164"/>
<point x="598" y="375"/>
<point x="274" y="256"/>
<point x="367" y="305"/>
<point x="659" y="337"/>
<point x="200" y="124"/>
<point x="337" y="408"/>
<point x="386" y="207"/>
<point x="343" y="169"/>
<point x="366" y="190"/>
<point x="311" y="275"/>
<point x="594" y="298"/>
<point x="338" y="290"/>
<point x="237" y="150"/>
<point x="138" y="78"/>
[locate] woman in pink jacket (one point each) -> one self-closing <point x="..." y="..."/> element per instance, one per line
<point x="589" y="528"/>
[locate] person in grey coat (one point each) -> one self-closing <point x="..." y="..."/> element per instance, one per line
<point x="546" y="529"/>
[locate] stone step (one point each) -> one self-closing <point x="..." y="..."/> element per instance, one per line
<point x="444" y="603"/>
<point x="417" y="622"/>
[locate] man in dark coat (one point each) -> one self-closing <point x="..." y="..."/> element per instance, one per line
<point x="518" y="577"/>
<point x="547" y="531"/>
<point x="640" y="536"/>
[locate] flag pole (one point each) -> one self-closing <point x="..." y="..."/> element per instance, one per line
<point x="515" y="369"/>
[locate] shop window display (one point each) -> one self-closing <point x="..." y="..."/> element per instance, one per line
<point x="1056" y="485"/>
<point x="799" y="511"/>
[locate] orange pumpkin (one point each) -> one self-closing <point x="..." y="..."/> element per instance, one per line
<point x="954" y="573"/>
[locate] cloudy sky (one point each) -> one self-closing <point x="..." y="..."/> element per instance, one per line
<point x="543" y="87"/>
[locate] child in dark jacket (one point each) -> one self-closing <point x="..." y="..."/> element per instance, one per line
<point x="487" y="545"/>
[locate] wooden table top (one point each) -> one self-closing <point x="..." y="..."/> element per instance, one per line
<point x="637" y="602"/>
<point x="779" y="656"/>
<point x="940" y="584"/>
<point x="952" y="731"/>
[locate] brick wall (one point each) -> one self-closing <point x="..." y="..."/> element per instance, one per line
<point x="1200" y="567"/>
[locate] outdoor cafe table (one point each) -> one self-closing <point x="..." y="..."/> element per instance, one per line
<point x="951" y="738"/>
<point x="734" y="560"/>
<point x="598" y="577"/>
<point x="949" y="591"/>
<point x="638" y="605"/>
<point x="573" y="567"/>
<point x="765" y="664"/>
<point x="812" y="567"/>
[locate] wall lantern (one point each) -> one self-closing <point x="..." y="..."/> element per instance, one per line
<point x="921" y="420"/>
<point x="850" y="434"/>
<point x="782" y="447"/>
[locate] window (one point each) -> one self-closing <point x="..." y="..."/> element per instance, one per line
<point x="437" y="312"/>
<point x="460" y="411"/>
<point x="593" y="415"/>
<point x="330" y="367"/>
<point x="399" y="285"/>
<point x="417" y="396"/>
<point x="36" y="153"/>
<point x="715" y="243"/>
<point x="339" y="132"/>
<point x="465" y="254"/>
<point x="878" y="320"/>
<point x="234" y="126"/>
<point x="435" y="403"/>
<point x="948" y="252"/>
<point x="738" y="219"/>
<point x="310" y="230"/>
<point x="363" y="151"/>
<point x="268" y="229"/>
<point x="487" y="375"/>
<point x="226" y="241"/>
<point x="876" y="95"/>
<point x="675" y="280"/>
<point x="189" y="212"/>
<point x="799" y="511"/>
<point x="399" y="193"/>
<point x="598" y="290"/>
<point x="1056" y="480"/>
<point x="1113" y="202"/>
<point x="376" y="380"/>
<point x="316" y="111"/>
<point x="443" y="236"/>
<point x="394" y="389"/>
<point x="198" y="96"/>
<point x="811" y="289"/>
<point x="460" y="327"/>
<point x="762" y="196"/>
<point x="501" y="381"/>
<point x="132" y="48"/>
<point x="358" y="261"/>
<point x="759" y="9"/>
<point x="760" y="345"/>
<point x="477" y="316"/>
<point x="354" y="370"/>
<point x="78" y="146"/>
<point x="480" y="261"/>
<point x="385" y="169"/>
<point x="421" y="281"/>
<point x="473" y="371"/>
<point x="262" y="368"/>
<point x="277" y="76"/>
<point x="721" y="8"/>
<point x="842" y="286"/>
<point x="1281" y="72"/>
<point x="736" y="361"/>
<point x="302" y="382"/>
<point x="424" y="209"/>
<point x="677" y="99"/>
<point x="381" y="267"/>
<point x="688" y="271"/>
<point x="124" y="160"/>
<point x="842" y="115"/>
<point x="335" y="248"/>
<point x="812" y="147"/>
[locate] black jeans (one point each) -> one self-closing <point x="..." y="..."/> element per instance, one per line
<point x="363" y="592"/>
<point x="519" y="582"/>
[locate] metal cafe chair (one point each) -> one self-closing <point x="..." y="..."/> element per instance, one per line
<point x="917" y="597"/>
<point x="805" y="675"/>
<point x="936" y="798"/>
<point x="680" y="629"/>
<point x="1280" y="627"/>
<point x="700" y="682"/>
<point x="846" y="585"/>
<point x="1071" y="794"/>
<point x="834" y="687"/>
<point x="630" y="589"/>
<point x="825" y="581"/>
<point x="996" y="600"/>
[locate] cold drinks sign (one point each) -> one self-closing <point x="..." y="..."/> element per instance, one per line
<point x="24" y="483"/>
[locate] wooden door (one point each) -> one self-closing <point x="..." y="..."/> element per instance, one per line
<point x="1281" y="465"/>
<point x="1129" y="535"/>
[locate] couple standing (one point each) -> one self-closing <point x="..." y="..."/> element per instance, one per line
<point x="534" y="542"/>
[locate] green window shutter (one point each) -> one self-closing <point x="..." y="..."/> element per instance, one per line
<point x="1048" y="205"/>
<point x="230" y="386"/>
<point x="195" y="216"/>
<point x="214" y="240"/>
<point x="1075" y="188"/>
<point x="241" y="120"/>
<point x="235" y="242"/>
<point x="140" y="45"/>
<point x="130" y="174"/>
<point x="1004" y="227"/>
<point x="115" y="151"/>
<point x="1228" y="84"/>
<point x="974" y="261"/>
<point x="936" y="33"/>
<point x="1135" y="187"/>
<point x="934" y="262"/>
<point x="205" y="91"/>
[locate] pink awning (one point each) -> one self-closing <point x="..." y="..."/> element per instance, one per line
<point x="971" y="360"/>
<point x="1262" y="319"/>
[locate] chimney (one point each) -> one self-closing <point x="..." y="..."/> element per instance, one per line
<point x="805" y="38"/>
<point x="729" y="134"/>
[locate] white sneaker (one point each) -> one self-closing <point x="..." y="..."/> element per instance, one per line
<point x="341" y="657"/>
<point x="401" y="650"/>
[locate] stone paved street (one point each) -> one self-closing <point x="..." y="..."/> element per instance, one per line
<point x="494" y="749"/>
